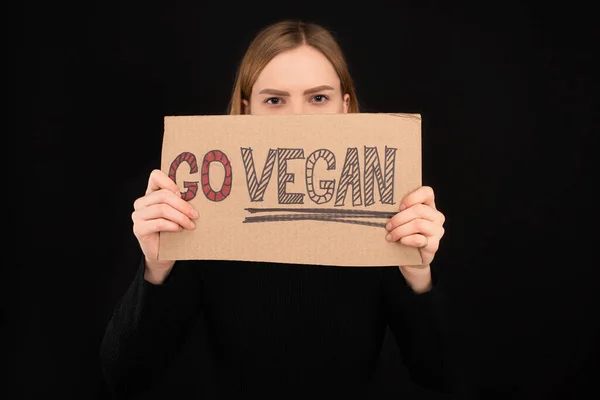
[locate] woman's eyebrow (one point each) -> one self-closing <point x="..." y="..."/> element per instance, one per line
<point x="276" y="92"/>
<point x="317" y="89"/>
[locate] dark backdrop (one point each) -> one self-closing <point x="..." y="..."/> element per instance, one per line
<point x="506" y="101"/>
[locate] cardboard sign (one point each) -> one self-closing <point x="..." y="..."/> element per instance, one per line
<point x="301" y="189"/>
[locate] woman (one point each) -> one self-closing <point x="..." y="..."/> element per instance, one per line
<point x="280" y="329"/>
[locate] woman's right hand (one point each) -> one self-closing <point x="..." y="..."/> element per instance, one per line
<point x="161" y="209"/>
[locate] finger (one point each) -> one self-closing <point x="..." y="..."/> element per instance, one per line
<point x="165" y="196"/>
<point x="148" y="227"/>
<point x="421" y="242"/>
<point x="423" y="195"/>
<point x="416" y="226"/>
<point x="159" y="180"/>
<point x="416" y="211"/>
<point x="164" y="211"/>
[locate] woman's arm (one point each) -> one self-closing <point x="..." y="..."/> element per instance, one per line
<point x="417" y="320"/>
<point x="148" y="327"/>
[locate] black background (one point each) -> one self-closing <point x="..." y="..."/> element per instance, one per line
<point x="505" y="94"/>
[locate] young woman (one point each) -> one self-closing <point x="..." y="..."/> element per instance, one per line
<point x="279" y="329"/>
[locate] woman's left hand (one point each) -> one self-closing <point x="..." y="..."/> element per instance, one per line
<point x="418" y="224"/>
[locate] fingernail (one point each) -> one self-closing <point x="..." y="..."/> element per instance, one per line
<point x="402" y="207"/>
<point x="194" y="213"/>
<point x="193" y="225"/>
<point x="388" y="226"/>
<point x="389" y="237"/>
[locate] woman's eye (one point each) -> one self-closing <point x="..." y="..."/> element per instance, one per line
<point x="320" y="98"/>
<point x="273" y="100"/>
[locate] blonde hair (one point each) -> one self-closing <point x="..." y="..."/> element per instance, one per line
<point x="283" y="36"/>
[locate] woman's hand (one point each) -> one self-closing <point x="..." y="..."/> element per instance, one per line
<point x="418" y="224"/>
<point x="161" y="209"/>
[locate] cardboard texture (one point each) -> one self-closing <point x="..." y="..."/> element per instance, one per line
<point x="301" y="189"/>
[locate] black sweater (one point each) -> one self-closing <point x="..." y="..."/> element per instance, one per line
<point x="278" y="329"/>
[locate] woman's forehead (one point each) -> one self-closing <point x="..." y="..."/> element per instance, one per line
<point x="297" y="70"/>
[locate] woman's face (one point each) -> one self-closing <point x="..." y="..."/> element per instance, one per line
<point x="299" y="81"/>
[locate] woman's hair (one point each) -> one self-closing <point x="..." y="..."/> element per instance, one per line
<point x="278" y="38"/>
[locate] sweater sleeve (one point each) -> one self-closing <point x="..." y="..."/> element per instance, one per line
<point x="148" y="327"/>
<point x="418" y="323"/>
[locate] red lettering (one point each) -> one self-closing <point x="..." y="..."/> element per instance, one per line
<point x="192" y="187"/>
<point x="220" y="157"/>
